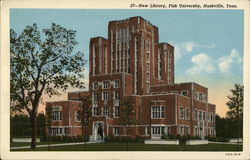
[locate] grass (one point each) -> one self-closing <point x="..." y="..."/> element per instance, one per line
<point x="140" y="147"/>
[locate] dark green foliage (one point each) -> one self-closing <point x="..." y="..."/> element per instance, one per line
<point x="216" y="139"/>
<point x="227" y="127"/>
<point x="20" y="125"/>
<point x="140" y="139"/>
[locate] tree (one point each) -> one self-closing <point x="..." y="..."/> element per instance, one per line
<point x="235" y="105"/>
<point x="49" y="121"/>
<point x="86" y="114"/>
<point x="127" y="115"/>
<point x="42" y="64"/>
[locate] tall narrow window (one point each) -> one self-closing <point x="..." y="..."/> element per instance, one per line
<point x="106" y="85"/>
<point x="95" y="97"/>
<point x="78" y="116"/>
<point x="181" y="113"/>
<point x="105" y="95"/>
<point x="187" y="114"/>
<point x="56" y="113"/>
<point x="105" y="111"/>
<point x="116" y="84"/>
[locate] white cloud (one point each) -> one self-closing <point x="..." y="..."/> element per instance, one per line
<point x="225" y="62"/>
<point x="188" y="47"/>
<point x="202" y="63"/>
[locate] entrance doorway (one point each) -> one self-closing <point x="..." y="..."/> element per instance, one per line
<point x="98" y="131"/>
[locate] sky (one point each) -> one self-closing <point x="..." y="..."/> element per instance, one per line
<point x="208" y="43"/>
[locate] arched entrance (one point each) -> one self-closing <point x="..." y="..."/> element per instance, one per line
<point x="98" y="131"/>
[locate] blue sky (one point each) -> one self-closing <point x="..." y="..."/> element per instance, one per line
<point x="208" y="43"/>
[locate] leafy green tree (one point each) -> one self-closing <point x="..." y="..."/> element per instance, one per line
<point x="42" y="64"/>
<point x="49" y="121"/>
<point x="235" y="105"/>
<point x="85" y="115"/>
<point x="127" y="115"/>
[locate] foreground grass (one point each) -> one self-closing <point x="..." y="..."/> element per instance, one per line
<point x="139" y="147"/>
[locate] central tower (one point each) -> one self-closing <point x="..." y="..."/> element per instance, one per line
<point x="133" y="48"/>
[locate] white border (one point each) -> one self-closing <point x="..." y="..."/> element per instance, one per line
<point x="97" y="4"/>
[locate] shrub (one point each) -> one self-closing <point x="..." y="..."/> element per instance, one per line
<point x="140" y="139"/>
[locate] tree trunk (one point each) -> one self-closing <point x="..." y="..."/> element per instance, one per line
<point x="127" y="138"/>
<point x="34" y="130"/>
<point x="34" y="122"/>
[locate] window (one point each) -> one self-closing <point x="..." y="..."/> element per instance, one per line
<point x="105" y="85"/>
<point x="116" y="131"/>
<point x="105" y="111"/>
<point x="188" y="130"/>
<point x="56" y="131"/>
<point x="116" y="111"/>
<point x="181" y="130"/>
<point x="200" y="96"/>
<point x="181" y="113"/>
<point x="95" y="97"/>
<point x="105" y="95"/>
<point x="204" y="116"/>
<point x="116" y="95"/>
<point x="78" y="116"/>
<point x="211" y="117"/>
<point x="147" y="130"/>
<point x="187" y="113"/>
<point x="56" y="114"/>
<point x="184" y="93"/>
<point x="195" y="131"/>
<point x="95" y="111"/>
<point x="116" y="84"/>
<point x="157" y="130"/>
<point x="157" y="112"/>
<point x="175" y="92"/>
<point x="195" y="114"/>
<point x="95" y="85"/>
<point x="200" y="115"/>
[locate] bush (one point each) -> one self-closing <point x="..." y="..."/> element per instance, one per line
<point x="221" y="139"/>
<point x="140" y="139"/>
<point x="196" y="137"/>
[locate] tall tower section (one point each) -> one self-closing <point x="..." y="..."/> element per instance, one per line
<point x="133" y="48"/>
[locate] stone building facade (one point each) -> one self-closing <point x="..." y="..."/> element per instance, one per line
<point x="133" y="63"/>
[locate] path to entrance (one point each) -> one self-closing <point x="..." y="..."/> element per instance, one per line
<point x="52" y="145"/>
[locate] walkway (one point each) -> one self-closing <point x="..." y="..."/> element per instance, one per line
<point x="224" y="143"/>
<point x="52" y="145"/>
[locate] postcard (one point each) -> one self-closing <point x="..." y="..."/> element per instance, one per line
<point x="124" y="80"/>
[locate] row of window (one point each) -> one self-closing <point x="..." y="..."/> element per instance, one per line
<point x="184" y="93"/>
<point x="157" y="112"/>
<point x="105" y="84"/>
<point x="160" y="130"/>
<point x="106" y="96"/>
<point x="184" y="113"/>
<point x="105" y="111"/>
<point x="155" y="130"/>
<point x="183" y="129"/>
<point x="201" y="115"/>
<point x="57" y="131"/>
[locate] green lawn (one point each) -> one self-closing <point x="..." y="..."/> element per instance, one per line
<point x="140" y="147"/>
